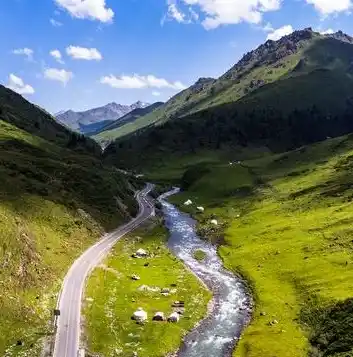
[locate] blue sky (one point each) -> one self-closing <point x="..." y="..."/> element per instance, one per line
<point x="79" y="54"/>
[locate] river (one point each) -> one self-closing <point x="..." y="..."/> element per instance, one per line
<point x="217" y="335"/>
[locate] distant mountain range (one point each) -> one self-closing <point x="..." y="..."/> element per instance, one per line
<point x="93" y="120"/>
<point x="111" y="129"/>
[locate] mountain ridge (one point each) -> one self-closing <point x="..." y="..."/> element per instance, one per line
<point x="81" y="121"/>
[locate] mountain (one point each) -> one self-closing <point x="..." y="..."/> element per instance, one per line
<point x="57" y="198"/>
<point x="284" y="94"/>
<point x="91" y="120"/>
<point x="112" y="130"/>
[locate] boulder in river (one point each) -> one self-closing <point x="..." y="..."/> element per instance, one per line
<point x="188" y="203"/>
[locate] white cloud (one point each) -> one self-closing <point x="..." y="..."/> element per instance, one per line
<point x="156" y="94"/>
<point x="24" y="52"/>
<point x="227" y="12"/>
<point x="175" y="13"/>
<point x="17" y="85"/>
<point x="138" y="82"/>
<point x="57" y="55"/>
<point x="83" y="53"/>
<point x="55" y="23"/>
<point x="327" y="7"/>
<point x="327" y="32"/>
<point x="276" y="34"/>
<point x="91" y="9"/>
<point x="59" y="75"/>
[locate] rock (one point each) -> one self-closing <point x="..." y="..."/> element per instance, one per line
<point x="200" y="209"/>
<point x="214" y="222"/>
<point x="140" y="315"/>
<point x="188" y="203"/>
<point x="135" y="277"/>
<point x="141" y="253"/>
<point x="178" y="304"/>
<point x="174" y="317"/>
<point x="173" y="285"/>
<point x="19" y="343"/>
<point x="158" y="316"/>
<point x="165" y="291"/>
<point x="262" y="313"/>
<point x="146" y="264"/>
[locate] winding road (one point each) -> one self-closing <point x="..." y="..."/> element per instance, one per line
<point x="67" y="341"/>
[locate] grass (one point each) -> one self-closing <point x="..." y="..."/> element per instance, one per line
<point x="199" y="255"/>
<point x="289" y="232"/>
<point x="112" y="297"/>
<point x="54" y="203"/>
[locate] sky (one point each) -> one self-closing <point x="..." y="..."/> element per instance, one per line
<point x="80" y="54"/>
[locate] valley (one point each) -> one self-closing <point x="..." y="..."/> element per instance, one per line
<point x="253" y="255"/>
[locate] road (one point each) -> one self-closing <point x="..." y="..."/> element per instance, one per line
<point x="67" y="341"/>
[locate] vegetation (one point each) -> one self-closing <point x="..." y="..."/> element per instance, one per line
<point x="112" y="298"/>
<point x="199" y="255"/>
<point x="304" y="69"/>
<point x="56" y="199"/>
<point x="288" y="232"/>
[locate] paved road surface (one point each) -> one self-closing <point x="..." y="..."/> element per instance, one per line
<point x="68" y="325"/>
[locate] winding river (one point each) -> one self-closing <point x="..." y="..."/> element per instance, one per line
<point x="218" y="334"/>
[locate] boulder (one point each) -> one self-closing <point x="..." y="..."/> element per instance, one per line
<point x="174" y="317"/>
<point x="139" y="315"/>
<point x="200" y="209"/>
<point x="141" y="253"/>
<point x="165" y="291"/>
<point x="178" y="304"/>
<point x="158" y="316"/>
<point x="214" y="222"/>
<point x="188" y="203"/>
<point x="135" y="277"/>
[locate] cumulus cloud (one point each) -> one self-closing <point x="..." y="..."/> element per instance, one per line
<point x="55" y="23"/>
<point x="276" y="34"/>
<point x="82" y="53"/>
<point x="17" y="85"/>
<point x="227" y="12"/>
<point x="24" y="52"/>
<point x="138" y="82"/>
<point x="57" y="55"/>
<point x="327" y="7"/>
<point x="59" y="75"/>
<point x="175" y="13"/>
<point x="87" y="9"/>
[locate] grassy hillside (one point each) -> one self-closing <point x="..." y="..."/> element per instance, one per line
<point x="284" y="94"/>
<point x="54" y="203"/>
<point x="295" y="55"/>
<point x="288" y="219"/>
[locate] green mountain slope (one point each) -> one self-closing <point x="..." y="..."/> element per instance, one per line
<point x="293" y="55"/>
<point x="56" y="199"/>
<point x="310" y="100"/>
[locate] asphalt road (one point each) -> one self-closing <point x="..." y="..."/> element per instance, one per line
<point x="67" y="341"/>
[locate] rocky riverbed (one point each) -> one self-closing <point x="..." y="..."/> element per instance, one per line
<point x="230" y="311"/>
